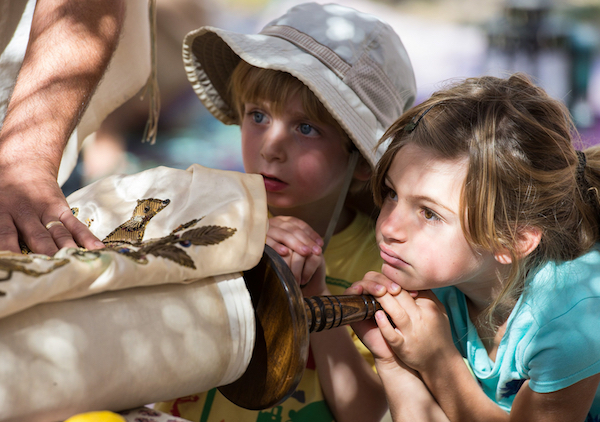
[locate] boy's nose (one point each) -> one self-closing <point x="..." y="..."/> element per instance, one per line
<point x="274" y="141"/>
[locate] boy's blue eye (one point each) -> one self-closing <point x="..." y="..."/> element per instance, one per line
<point x="306" y="129"/>
<point x="258" y="116"/>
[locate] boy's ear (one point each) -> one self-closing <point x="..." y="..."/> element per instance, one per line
<point x="362" y="171"/>
<point x="529" y="239"/>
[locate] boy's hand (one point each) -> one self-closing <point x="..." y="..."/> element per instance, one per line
<point x="300" y="247"/>
<point x="287" y="234"/>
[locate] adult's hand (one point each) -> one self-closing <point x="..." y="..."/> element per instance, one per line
<point x="31" y="201"/>
<point x="70" y="45"/>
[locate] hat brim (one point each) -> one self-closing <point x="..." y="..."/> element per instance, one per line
<point x="211" y="54"/>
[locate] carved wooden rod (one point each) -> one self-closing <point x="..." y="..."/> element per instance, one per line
<point x="326" y="312"/>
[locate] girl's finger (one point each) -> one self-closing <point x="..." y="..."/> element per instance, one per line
<point x="392" y="306"/>
<point x="393" y="336"/>
<point x="371" y="287"/>
<point x="383" y="280"/>
<point x="354" y="289"/>
<point x="408" y="303"/>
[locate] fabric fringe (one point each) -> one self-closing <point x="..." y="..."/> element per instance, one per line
<point x="152" y="89"/>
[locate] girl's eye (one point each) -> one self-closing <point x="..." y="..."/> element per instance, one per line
<point x="389" y="193"/>
<point x="307" y="129"/>
<point x="430" y="215"/>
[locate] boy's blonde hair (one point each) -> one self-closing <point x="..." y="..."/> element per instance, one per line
<point x="250" y="84"/>
<point x="523" y="170"/>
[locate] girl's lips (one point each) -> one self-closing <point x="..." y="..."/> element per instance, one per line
<point x="272" y="184"/>
<point x="390" y="258"/>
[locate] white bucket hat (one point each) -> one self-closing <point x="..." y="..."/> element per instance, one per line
<point x="353" y="62"/>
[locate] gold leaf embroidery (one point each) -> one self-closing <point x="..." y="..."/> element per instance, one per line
<point x="207" y="235"/>
<point x="175" y="254"/>
<point x="186" y="225"/>
<point x="18" y="263"/>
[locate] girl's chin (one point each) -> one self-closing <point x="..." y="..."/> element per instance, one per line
<point x="400" y="278"/>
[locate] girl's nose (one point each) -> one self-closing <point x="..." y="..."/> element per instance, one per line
<point x="274" y="142"/>
<point x="393" y="224"/>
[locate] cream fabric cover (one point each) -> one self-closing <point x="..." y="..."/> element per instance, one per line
<point x="221" y="198"/>
<point x="116" y="329"/>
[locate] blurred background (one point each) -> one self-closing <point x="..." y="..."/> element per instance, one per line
<point x="556" y="42"/>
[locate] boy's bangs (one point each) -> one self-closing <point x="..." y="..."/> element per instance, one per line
<point x="257" y="85"/>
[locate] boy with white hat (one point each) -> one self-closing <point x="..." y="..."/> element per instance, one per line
<point x="312" y="92"/>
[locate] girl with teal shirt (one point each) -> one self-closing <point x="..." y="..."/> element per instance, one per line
<point x="489" y="231"/>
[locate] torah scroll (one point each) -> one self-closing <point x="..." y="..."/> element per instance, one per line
<point x="161" y="312"/>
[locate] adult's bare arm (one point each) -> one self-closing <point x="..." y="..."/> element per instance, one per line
<point x="70" y="46"/>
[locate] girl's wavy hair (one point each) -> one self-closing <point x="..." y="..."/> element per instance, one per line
<point x="523" y="170"/>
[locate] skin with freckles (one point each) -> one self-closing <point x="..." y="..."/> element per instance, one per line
<point x="419" y="228"/>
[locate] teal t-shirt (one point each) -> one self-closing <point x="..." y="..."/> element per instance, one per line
<point x="552" y="336"/>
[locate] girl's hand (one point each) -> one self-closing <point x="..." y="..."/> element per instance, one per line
<point x="378" y="285"/>
<point x="375" y="284"/>
<point x="421" y="337"/>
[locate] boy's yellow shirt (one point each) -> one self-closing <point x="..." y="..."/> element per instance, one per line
<point x="350" y="255"/>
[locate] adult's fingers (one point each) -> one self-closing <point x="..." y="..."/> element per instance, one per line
<point x="9" y="237"/>
<point x="54" y="230"/>
<point x="33" y="232"/>
<point x="60" y="234"/>
<point x="79" y="232"/>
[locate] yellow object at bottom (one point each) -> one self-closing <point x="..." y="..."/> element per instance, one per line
<point x="100" y="416"/>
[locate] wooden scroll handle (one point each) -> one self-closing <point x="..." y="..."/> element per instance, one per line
<point x="325" y="312"/>
<point x="284" y="320"/>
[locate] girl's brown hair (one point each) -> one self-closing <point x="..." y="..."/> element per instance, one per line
<point x="523" y="170"/>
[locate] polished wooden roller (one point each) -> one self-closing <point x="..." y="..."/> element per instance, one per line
<point x="325" y="312"/>
<point x="284" y="319"/>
